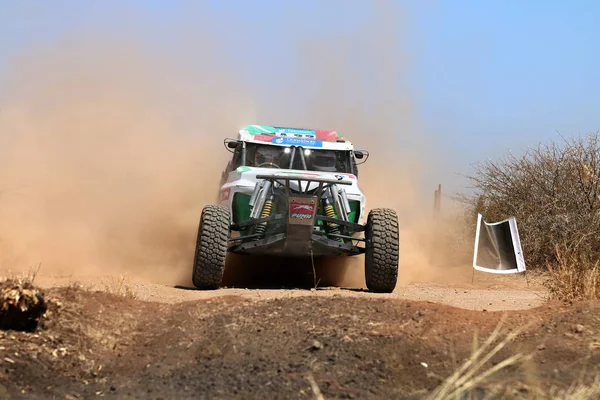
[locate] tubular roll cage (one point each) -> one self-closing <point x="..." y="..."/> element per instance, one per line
<point x="292" y="155"/>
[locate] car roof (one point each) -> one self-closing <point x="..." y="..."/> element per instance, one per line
<point x="286" y="136"/>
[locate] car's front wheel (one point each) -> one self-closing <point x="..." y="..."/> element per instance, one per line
<point x="211" y="247"/>
<point x="382" y="250"/>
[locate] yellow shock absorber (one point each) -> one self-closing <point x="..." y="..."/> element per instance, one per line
<point x="330" y="213"/>
<point x="266" y="212"/>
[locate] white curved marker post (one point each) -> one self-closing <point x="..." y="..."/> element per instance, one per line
<point x="498" y="247"/>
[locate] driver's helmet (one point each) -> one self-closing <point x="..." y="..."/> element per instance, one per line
<point x="324" y="161"/>
<point x="266" y="154"/>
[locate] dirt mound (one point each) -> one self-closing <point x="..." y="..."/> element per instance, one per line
<point x="230" y="347"/>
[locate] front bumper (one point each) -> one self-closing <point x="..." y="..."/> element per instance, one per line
<point x="282" y="245"/>
<point x="297" y="240"/>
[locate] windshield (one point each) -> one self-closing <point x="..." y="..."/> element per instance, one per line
<point x="297" y="158"/>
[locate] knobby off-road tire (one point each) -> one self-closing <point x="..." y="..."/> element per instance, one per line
<point x="211" y="247"/>
<point x="382" y="248"/>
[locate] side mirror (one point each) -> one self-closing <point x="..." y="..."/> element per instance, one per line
<point x="230" y="144"/>
<point x="360" y="154"/>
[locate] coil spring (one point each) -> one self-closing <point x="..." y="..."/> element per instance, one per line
<point x="330" y="213"/>
<point x="266" y="212"/>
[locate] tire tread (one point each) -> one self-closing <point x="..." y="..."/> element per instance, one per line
<point x="211" y="247"/>
<point x="382" y="253"/>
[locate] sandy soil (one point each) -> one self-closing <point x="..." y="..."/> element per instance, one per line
<point x="118" y="337"/>
<point x="272" y="344"/>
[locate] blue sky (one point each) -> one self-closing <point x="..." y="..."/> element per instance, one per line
<point x="481" y="76"/>
<point x="509" y="71"/>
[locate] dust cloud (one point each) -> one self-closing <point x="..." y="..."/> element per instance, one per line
<point x="109" y="149"/>
<point x="98" y="173"/>
<point x="361" y="84"/>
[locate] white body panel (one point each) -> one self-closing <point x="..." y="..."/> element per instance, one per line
<point x="243" y="180"/>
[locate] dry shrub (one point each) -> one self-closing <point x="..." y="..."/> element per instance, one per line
<point x="22" y="305"/>
<point x="553" y="190"/>
<point x="575" y="275"/>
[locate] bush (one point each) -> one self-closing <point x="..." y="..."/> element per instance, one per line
<point x="574" y="275"/>
<point x="22" y="305"/>
<point x="553" y="191"/>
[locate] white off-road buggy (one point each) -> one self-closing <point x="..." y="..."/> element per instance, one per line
<point x="294" y="193"/>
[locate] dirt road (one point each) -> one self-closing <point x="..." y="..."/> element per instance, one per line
<point x="160" y="342"/>
<point x="490" y="293"/>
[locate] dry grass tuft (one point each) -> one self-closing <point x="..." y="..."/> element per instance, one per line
<point x="579" y="392"/>
<point x="470" y="377"/>
<point x="119" y="286"/>
<point x="470" y="374"/>
<point x="575" y="275"/>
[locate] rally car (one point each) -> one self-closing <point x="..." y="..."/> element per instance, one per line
<point x="294" y="192"/>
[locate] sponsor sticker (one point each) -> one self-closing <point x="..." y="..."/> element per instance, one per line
<point x="301" y="211"/>
<point x="295" y="131"/>
<point x="225" y="194"/>
<point x="297" y="141"/>
<point x="264" y="138"/>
